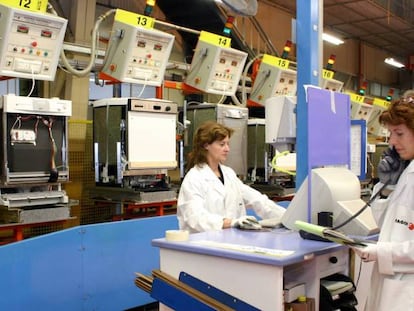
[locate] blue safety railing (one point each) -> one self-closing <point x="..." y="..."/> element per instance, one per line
<point x="89" y="267"/>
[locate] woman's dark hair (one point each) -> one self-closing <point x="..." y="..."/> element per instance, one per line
<point x="400" y="111"/>
<point x="206" y="133"/>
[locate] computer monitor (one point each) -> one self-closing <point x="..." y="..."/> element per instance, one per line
<point x="336" y="190"/>
<point x="280" y="120"/>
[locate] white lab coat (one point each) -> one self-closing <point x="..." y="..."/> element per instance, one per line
<point x="204" y="201"/>
<point x="392" y="282"/>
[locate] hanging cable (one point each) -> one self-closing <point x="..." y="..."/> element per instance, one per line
<point x="54" y="174"/>
<point x="368" y="204"/>
<point x="94" y="39"/>
<point x="278" y="168"/>
<point x="244" y="78"/>
<point x="33" y="83"/>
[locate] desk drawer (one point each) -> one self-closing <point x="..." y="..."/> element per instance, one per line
<point x="334" y="262"/>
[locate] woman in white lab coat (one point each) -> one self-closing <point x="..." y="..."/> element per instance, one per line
<point x="211" y="196"/>
<point x="392" y="282"/>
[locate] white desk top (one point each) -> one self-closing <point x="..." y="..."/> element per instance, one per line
<point x="254" y="246"/>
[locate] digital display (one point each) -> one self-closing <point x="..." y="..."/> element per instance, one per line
<point x="22" y="29"/>
<point x="46" y="33"/>
<point x="141" y="44"/>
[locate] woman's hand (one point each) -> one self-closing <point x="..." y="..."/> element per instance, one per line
<point x="367" y="253"/>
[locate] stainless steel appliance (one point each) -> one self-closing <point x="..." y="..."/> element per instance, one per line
<point x="133" y="138"/>
<point x="232" y="116"/>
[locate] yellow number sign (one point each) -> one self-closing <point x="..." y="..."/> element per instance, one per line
<point x="134" y="19"/>
<point x="381" y="103"/>
<point x="275" y="61"/>
<point x="356" y="98"/>
<point x="30" y="5"/>
<point x="214" y="39"/>
<point x="327" y="74"/>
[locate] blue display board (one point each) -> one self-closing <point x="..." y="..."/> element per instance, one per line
<point x="328" y="128"/>
<point x="329" y="131"/>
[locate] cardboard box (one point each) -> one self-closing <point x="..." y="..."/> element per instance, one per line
<point x="309" y="305"/>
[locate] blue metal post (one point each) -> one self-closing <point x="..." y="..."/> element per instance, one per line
<point x="308" y="39"/>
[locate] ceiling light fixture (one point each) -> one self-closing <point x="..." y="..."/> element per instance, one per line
<point x="331" y="39"/>
<point x="391" y="61"/>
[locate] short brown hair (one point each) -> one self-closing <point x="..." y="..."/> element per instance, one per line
<point x="400" y="112"/>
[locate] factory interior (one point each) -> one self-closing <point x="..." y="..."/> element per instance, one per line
<point x="100" y="102"/>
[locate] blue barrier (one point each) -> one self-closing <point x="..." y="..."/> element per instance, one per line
<point x="89" y="267"/>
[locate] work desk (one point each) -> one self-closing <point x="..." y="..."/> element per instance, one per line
<point x="249" y="266"/>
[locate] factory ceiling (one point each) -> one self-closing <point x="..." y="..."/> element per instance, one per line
<point x="384" y="24"/>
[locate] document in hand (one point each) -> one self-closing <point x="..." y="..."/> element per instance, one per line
<point x="329" y="234"/>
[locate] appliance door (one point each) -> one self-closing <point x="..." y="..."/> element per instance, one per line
<point x="151" y="140"/>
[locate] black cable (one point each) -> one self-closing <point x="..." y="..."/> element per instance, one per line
<point x="359" y="274"/>
<point x="362" y="208"/>
<point x="260" y="83"/>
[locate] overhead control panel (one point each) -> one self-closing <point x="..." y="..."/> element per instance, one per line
<point x="359" y="109"/>
<point x="216" y="68"/>
<point x="374" y="127"/>
<point x="329" y="83"/>
<point x="136" y="52"/>
<point x="30" y="43"/>
<point x="274" y="78"/>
